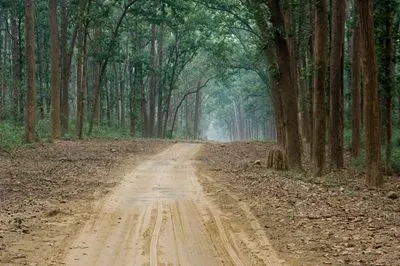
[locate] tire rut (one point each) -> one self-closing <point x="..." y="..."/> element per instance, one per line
<point x="160" y="215"/>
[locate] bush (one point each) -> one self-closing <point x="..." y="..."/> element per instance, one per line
<point x="11" y="136"/>
<point x="105" y="132"/>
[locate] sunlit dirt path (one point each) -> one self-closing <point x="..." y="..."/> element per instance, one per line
<point x="160" y="215"/>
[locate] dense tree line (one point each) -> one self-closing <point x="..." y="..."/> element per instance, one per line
<point x="303" y="72"/>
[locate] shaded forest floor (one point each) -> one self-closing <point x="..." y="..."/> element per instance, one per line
<point x="332" y="220"/>
<point x="48" y="192"/>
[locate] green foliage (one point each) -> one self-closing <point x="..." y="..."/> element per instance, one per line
<point x="11" y="136"/>
<point x="105" y="132"/>
<point x="43" y="128"/>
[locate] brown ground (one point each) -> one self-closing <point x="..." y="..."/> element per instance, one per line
<point x="334" y="220"/>
<point x="46" y="193"/>
<point x="50" y="193"/>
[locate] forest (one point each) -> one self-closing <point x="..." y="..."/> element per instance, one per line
<point x="318" y="77"/>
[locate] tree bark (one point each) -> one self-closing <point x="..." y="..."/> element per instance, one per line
<point x="160" y="79"/>
<point x="320" y="63"/>
<point x="152" y="82"/>
<point x="80" y="103"/>
<point x="55" y="71"/>
<point x="64" y="110"/>
<point x="30" y="117"/>
<point x="387" y="80"/>
<point x="356" y="94"/>
<point x="197" y="113"/>
<point x="371" y="121"/>
<point x="336" y="84"/>
<point x="288" y="88"/>
<point x="16" y="90"/>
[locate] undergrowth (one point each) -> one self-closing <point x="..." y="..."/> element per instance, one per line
<point x="359" y="162"/>
<point x="12" y="135"/>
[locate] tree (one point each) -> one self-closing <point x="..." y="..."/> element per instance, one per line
<point x="372" y="145"/>
<point x="288" y="87"/>
<point x="30" y="135"/>
<point x="383" y="13"/>
<point x="355" y="83"/>
<point x="320" y="54"/>
<point x="55" y="71"/>
<point x="16" y="59"/>
<point x="152" y="82"/>
<point x="336" y="84"/>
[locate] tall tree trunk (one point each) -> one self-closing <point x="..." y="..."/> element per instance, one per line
<point x="270" y="58"/>
<point x="197" y="113"/>
<point x="133" y="100"/>
<point x="145" y="117"/>
<point x="64" y="110"/>
<point x="372" y="145"/>
<point x="288" y="88"/>
<point x="66" y="59"/>
<point x="30" y="135"/>
<point x="305" y="108"/>
<point x="320" y="63"/>
<point x="152" y="82"/>
<point x="122" y="93"/>
<point x="55" y="71"/>
<point x="160" y="80"/>
<point x="80" y="102"/>
<point x="167" y="112"/>
<point x="356" y="94"/>
<point x="336" y="84"/>
<point x="387" y="80"/>
<point x="16" y="91"/>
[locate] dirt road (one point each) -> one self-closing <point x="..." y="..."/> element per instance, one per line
<point x="160" y="215"/>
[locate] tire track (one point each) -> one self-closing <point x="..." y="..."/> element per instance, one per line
<point x="160" y="216"/>
<point x="155" y="236"/>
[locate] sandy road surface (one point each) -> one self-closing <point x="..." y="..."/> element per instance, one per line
<point x="159" y="215"/>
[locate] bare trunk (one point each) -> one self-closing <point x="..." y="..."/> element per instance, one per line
<point x="30" y="135"/>
<point x="388" y="77"/>
<point x="336" y="84"/>
<point x="372" y="147"/>
<point x="152" y="82"/>
<point x="160" y="80"/>
<point x="356" y="94"/>
<point x="197" y="113"/>
<point x="320" y="54"/>
<point x="16" y="91"/>
<point x="80" y="103"/>
<point x="270" y="58"/>
<point x="288" y="89"/>
<point x="65" y="69"/>
<point x="55" y="71"/>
